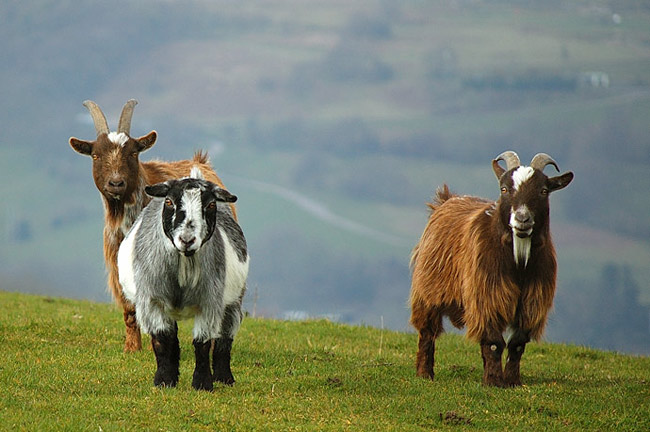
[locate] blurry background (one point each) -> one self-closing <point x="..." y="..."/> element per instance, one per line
<point x="334" y="122"/>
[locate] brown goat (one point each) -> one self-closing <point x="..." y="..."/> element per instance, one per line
<point x="121" y="178"/>
<point x="488" y="266"/>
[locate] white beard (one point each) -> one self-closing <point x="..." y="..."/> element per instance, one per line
<point x="521" y="249"/>
<point x="189" y="271"/>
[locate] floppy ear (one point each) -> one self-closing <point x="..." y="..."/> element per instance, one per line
<point x="81" y="146"/>
<point x="158" y="190"/>
<point x="147" y="141"/>
<point x="560" y="182"/>
<point x="223" y="195"/>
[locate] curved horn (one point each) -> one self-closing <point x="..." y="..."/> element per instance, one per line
<point x="540" y="160"/>
<point x="101" y="125"/>
<point x="511" y="159"/>
<point x="124" y="125"/>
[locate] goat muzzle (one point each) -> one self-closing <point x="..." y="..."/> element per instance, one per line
<point x="115" y="188"/>
<point x="521" y="222"/>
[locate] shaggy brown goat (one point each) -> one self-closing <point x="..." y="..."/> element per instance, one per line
<point x="121" y="179"/>
<point x="488" y="266"/>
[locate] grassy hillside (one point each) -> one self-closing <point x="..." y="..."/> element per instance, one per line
<point x="62" y="368"/>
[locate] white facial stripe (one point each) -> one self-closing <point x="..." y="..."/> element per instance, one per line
<point x="193" y="225"/>
<point x="118" y="138"/>
<point x="520" y="175"/>
<point x="191" y="204"/>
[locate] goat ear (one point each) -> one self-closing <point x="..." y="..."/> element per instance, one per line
<point x="223" y="195"/>
<point x="498" y="170"/>
<point x="147" y="141"/>
<point x="560" y="182"/>
<point x="158" y="190"/>
<point x="82" y="147"/>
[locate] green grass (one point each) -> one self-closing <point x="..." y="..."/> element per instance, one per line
<point x="62" y="368"/>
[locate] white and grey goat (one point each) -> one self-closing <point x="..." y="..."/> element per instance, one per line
<point x="186" y="256"/>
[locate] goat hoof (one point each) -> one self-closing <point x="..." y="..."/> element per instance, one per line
<point x="513" y="383"/>
<point x="163" y="381"/>
<point x="494" y="382"/>
<point x="425" y="374"/>
<point x="203" y="385"/>
<point x="227" y="379"/>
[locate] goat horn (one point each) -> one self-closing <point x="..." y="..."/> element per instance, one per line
<point x="511" y="159"/>
<point x="540" y="160"/>
<point x="124" y="126"/>
<point x="101" y="125"/>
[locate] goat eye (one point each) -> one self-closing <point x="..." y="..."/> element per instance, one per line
<point x="544" y="191"/>
<point x="212" y="205"/>
<point x="95" y="156"/>
<point x="169" y="202"/>
<point x="504" y="190"/>
<point x="134" y="154"/>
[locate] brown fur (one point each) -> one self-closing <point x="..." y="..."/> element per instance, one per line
<point x="113" y="164"/>
<point x="463" y="267"/>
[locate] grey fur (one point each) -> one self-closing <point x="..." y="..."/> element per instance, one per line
<point x="152" y="274"/>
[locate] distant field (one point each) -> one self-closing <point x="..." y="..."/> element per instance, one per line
<point x="362" y="108"/>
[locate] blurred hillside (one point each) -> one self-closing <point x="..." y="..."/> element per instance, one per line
<point x="334" y="122"/>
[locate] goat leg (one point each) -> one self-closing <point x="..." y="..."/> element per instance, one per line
<point x="426" y="356"/>
<point x="516" y="347"/>
<point x="202" y="379"/>
<point x="491" y="351"/>
<point x="221" y="361"/>
<point x="429" y="323"/>
<point x="133" y="340"/>
<point x="168" y="353"/>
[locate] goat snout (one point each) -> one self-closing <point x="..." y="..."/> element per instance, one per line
<point x="521" y="221"/>
<point x="115" y="186"/>
<point x="187" y="244"/>
<point x="187" y="241"/>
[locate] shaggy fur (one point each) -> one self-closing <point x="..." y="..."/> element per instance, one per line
<point x="464" y="268"/>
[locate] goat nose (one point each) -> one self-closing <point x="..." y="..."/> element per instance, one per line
<point x="116" y="182"/>
<point x="188" y="242"/>
<point x="522" y="216"/>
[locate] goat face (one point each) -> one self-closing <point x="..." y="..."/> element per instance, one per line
<point x="189" y="211"/>
<point x="524" y="202"/>
<point x="115" y="162"/>
<point x="115" y="154"/>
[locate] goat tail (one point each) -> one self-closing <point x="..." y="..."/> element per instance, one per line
<point x="442" y="194"/>
<point x="201" y="157"/>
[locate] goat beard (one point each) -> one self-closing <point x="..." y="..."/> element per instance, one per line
<point x="521" y="249"/>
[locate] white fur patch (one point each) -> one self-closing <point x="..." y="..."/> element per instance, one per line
<point x="203" y="328"/>
<point x="118" y="138"/>
<point x="520" y="175"/>
<point x="236" y="272"/>
<point x="196" y="173"/>
<point x="125" y="263"/>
